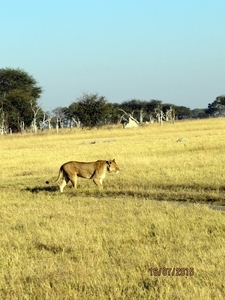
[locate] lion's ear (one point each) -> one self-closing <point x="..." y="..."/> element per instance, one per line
<point x="114" y="160"/>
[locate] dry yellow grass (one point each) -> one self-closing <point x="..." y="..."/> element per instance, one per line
<point x="87" y="244"/>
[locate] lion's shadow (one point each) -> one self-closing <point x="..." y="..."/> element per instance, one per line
<point x="38" y="189"/>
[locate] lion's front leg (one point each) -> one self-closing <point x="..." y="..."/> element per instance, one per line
<point x="99" y="180"/>
<point x="73" y="180"/>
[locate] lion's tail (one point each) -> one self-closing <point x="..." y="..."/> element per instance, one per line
<point x="60" y="172"/>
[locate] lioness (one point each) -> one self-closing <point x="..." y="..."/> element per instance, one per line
<point x="90" y="170"/>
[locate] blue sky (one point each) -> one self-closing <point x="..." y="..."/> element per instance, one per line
<point x="173" y="51"/>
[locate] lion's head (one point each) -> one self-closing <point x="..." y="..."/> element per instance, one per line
<point x="112" y="166"/>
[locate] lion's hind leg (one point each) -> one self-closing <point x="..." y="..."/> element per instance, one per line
<point x="64" y="182"/>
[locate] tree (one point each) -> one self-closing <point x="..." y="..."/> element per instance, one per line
<point x="217" y="107"/>
<point x="18" y="90"/>
<point x="45" y="120"/>
<point x="199" y="113"/>
<point x="59" y="117"/>
<point x="147" y="111"/>
<point x="183" y="112"/>
<point x="169" y="112"/>
<point x="72" y="114"/>
<point x="152" y="105"/>
<point x="135" y="108"/>
<point x="93" y="110"/>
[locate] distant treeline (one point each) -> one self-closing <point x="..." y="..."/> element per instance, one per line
<point x="19" y="108"/>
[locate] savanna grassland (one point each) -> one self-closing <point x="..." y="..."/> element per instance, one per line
<point x="91" y="244"/>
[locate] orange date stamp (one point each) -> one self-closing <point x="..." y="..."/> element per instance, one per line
<point x="171" y="271"/>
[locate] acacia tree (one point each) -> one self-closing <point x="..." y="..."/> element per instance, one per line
<point x="17" y="90"/>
